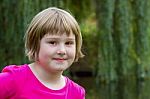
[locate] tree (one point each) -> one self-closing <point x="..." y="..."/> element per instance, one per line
<point x="123" y="42"/>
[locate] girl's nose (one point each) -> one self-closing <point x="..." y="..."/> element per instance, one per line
<point x="61" y="51"/>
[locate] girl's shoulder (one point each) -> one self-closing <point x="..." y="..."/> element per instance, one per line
<point x="14" y="68"/>
<point x="11" y="78"/>
<point x="14" y="73"/>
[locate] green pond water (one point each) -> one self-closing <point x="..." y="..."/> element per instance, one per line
<point x="125" y="89"/>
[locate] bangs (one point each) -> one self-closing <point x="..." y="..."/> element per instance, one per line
<point x="58" y="24"/>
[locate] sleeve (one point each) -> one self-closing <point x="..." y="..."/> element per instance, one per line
<point x="75" y="90"/>
<point x="7" y="85"/>
<point x="82" y="93"/>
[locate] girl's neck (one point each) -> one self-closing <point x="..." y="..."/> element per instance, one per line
<point x="52" y="80"/>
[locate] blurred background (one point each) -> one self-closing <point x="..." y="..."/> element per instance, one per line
<point x="116" y="43"/>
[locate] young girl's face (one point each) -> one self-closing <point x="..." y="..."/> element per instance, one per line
<point x="57" y="52"/>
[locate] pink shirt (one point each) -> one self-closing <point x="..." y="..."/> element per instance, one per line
<point x="18" y="82"/>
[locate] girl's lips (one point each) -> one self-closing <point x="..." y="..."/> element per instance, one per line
<point x="59" y="59"/>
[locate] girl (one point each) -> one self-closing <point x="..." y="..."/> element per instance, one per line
<point x="53" y="42"/>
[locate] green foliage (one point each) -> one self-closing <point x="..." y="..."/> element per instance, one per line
<point x="122" y="35"/>
<point x="141" y="34"/>
<point x="106" y="59"/>
<point x="11" y="33"/>
<point x="123" y="38"/>
<point x="88" y="29"/>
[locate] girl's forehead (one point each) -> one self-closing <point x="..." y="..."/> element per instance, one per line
<point x="60" y="34"/>
<point x="71" y="35"/>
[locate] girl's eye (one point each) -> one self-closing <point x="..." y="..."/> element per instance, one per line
<point x="69" y="43"/>
<point x="52" y="42"/>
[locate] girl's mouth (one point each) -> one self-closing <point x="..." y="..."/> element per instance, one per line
<point x="59" y="59"/>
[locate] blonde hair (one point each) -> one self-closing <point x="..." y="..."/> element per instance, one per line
<point x="53" y="21"/>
